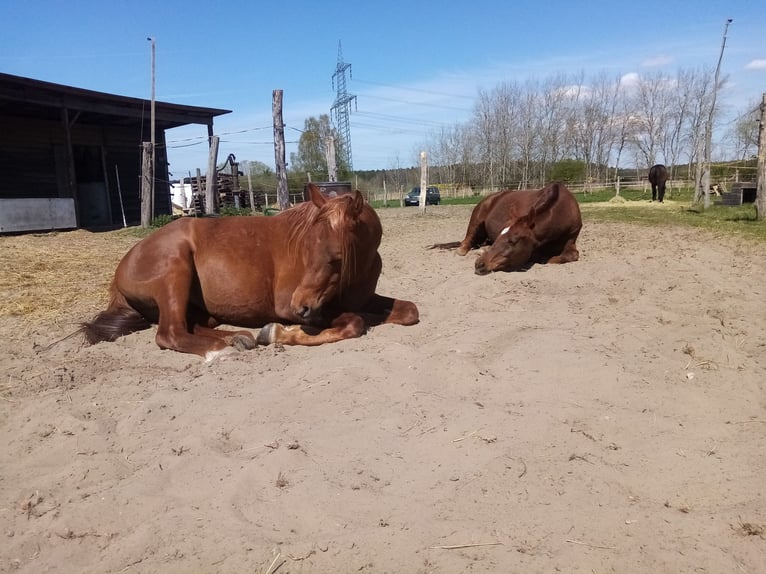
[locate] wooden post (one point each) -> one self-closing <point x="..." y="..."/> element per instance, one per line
<point x="211" y="179"/>
<point x="332" y="168"/>
<point x="760" y="194"/>
<point x="71" y="176"/>
<point x="283" y="194"/>
<point x="153" y="122"/>
<point x="146" y="185"/>
<point x="199" y="192"/>
<point x="423" y="182"/>
<point x="119" y="193"/>
<point x="705" y="179"/>
<point x="235" y="189"/>
<point x="250" y="187"/>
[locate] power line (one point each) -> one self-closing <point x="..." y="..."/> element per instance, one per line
<point x="411" y="103"/>
<point x="420" y="90"/>
<point x="392" y="118"/>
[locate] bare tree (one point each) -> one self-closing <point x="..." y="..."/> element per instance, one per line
<point x="506" y="103"/>
<point x="483" y="124"/>
<point x="552" y="115"/>
<point x="651" y="108"/>
<point x="681" y="123"/>
<point x="518" y="131"/>
<point x="528" y="134"/>
<point x="591" y="127"/>
<point x="743" y="134"/>
<point x="452" y="154"/>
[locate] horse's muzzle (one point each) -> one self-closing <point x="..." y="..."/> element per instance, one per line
<point x="309" y="315"/>
<point x="304" y="312"/>
<point x="481" y="267"/>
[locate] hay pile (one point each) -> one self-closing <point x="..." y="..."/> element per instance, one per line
<point x="46" y="277"/>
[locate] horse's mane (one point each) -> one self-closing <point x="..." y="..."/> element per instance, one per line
<point x="337" y="214"/>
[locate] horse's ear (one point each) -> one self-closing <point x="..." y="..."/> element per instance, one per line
<point x="358" y="201"/>
<point x="317" y="197"/>
<point x="547" y="198"/>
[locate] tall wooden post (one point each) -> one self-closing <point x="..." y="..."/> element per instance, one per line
<point x="119" y="194"/>
<point x="199" y="192"/>
<point x="250" y="187"/>
<point x="211" y="179"/>
<point x="709" y="125"/>
<point x="332" y="167"/>
<point x="153" y="122"/>
<point x="283" y="194"/>
<point x="760" y="194"/>
<point x="423" y="182"/>
<point x="235" y="188"/>
<point x="147" y="177"/>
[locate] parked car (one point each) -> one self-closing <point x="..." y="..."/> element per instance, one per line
<point x="433" y="197"/>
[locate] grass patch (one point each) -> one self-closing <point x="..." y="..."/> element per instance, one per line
<point x="735" y="221"/>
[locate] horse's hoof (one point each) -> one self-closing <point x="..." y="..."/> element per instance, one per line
<point x="267" y="334"/>
<point x="243" y="342"/>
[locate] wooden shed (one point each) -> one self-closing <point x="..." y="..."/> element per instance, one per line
<point x="61" y="149"/>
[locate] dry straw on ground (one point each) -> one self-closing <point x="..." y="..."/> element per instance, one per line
<point x="43" y="276"/>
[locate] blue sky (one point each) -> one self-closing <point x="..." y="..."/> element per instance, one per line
<point x="416" y="66"/>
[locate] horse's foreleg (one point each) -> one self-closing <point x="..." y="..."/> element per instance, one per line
<point x="346" y="326"/>
<point x="568" y="254"/>
<point x="240" y="340"/>
<point x="475" y="236"/>
<point x="173" y="333"/>
<point x="171" y="294"/>
<point x="380" y="309"/>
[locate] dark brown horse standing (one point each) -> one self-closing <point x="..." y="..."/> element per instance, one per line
<point x="658" y="176"/>
<point x="522" y="228"/>
<point x="314" y="266"/>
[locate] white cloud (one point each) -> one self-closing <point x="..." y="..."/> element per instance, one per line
<point x="629" y="80"/>
<point x="577" y="90"/>
<point x="756" y="65"/>
<point x="656" y="61"/>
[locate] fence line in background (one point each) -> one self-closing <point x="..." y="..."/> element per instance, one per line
<point x="449" y="191"/>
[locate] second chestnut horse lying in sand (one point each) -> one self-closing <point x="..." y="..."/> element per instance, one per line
<point x="314" y="266"/>
<point x="522" y="228"/>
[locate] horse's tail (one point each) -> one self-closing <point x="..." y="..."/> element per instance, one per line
<point x="117" y="320"/>
<point x="450" y="245"/>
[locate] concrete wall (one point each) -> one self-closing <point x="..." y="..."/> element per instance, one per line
<point x="37" y="214"/>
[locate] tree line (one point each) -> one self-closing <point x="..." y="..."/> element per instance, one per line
<point x="520" y="132"/>
<point x="525" y="133"/>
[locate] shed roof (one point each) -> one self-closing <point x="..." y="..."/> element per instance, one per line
<point x="21" y="96"/>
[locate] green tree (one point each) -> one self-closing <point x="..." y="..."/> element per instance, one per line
<point x="260" y="175"/>
<point x="568" y="171"/>
<point x="310" y="157"/>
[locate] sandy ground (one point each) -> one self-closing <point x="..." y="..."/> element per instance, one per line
<point x="607" y="415"/>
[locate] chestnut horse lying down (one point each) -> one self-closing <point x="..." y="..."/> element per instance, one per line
<point x="522" y="228"/>
<point x="314" y="266"/>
